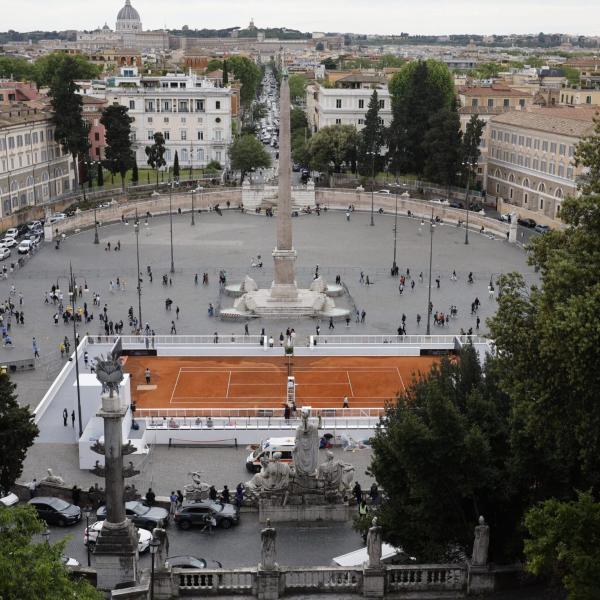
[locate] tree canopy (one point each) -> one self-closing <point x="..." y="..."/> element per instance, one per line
<point x="247" y="153"/>
<point x="370" y="139"/>
<point x="156" y="153"/>
<point x="119" y="154"/>
<point x="18" y="432"/>
<point x="297" y="88"/>
<point x="248" y="74"/>
<point x="34" y="569"/>
<point x="332" y="146"/>
<point x="48" y="67"/>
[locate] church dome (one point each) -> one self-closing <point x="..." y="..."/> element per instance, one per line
<point x="128" y="13"/>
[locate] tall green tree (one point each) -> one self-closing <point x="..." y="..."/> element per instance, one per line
<point x="370" y="139"/>
<point x="247" y="153"/>
<point x="298" y="85"/>
<point x="48" y="67"/>
<point x="16" y="68"/>
<point x="441" y="454"/>
<point x="176" y="165"/>
<point x="17" y="434"/>
<point x="214" y="64"/>
<point x="249" y="75"/>
<point x="156" y="153"/>
<point x="31" y="569"/>
<point x="135" y="176"/>
<point x="331" y="147"/>
<point x="418" y="90"/>
<point x="70" y="130"/>
<point x="100" y="175"/>
<point x="117" y="123"/>
<point x="587" y="154"/>
<point x="442" y="145"/>
<point x="564" y="544"/>
<point x="225" y="73"/>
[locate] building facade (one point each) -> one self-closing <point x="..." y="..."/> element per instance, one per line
<point x="33" y="167"/>
<point x="530" y="156"/>
<point x="345" y="105"/>
<point x="92" y="113"/>
<point x="194" y="116"/>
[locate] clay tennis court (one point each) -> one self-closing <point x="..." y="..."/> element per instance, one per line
<point x="257" y="382"/>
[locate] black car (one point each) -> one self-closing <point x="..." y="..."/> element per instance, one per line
<point x="527" y="223"/>
<point x="22" y="230"/>
<point x="56" y="511"/>
<point x="191" y="562"/>
<point x="455" y="205"/>
<point x="146" y="517"/>
<point x="196" y="513"/>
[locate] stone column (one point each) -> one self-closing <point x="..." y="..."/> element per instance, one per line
<point x="284" y="285"/>
<point x="116" y="551"/>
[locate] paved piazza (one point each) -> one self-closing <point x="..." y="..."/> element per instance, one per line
<point x="230" y="242"/>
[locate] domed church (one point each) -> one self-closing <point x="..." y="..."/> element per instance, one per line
<point x="128" y="19"/>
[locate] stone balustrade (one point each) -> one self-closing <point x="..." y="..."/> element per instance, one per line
<point x="323" y="579"/>
<point x="206" y="581"/>
<point x="425" y="577"/>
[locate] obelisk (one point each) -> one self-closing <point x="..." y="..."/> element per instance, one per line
<point x="284" y="285"/>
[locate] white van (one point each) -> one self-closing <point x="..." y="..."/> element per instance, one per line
<point x="267" y="448"/>
<point x="357" y="558"/>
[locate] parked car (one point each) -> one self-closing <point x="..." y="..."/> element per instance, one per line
<point x="541" y="228"/>
<point x="440" y="201"/>
<point x="9" y="241"/>
<point x="383" y="192"/>
<point x="68" y="561"/>
<point x="455" y="205"/>
<point x="90" y="536"/>
<point x="22" y="230"/>
<point x="25" y="246"/>
<point x="13" y="232"/>
<point x="147" y="517"/>
<point x="505" y="217"/>
<point x="195" y="513"/>
<point x="191" y="562"/>
<point x="4" y="252"/>
<point x="527" y="222"/>
<point x="56" y="511"/>
<point x="34" y="225"/>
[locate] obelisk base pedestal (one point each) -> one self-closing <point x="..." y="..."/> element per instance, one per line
<point x="116" y="555"/>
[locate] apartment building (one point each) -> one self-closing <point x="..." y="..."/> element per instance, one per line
<point x="530" y="156"/>
<point x="92" y="113"/>
<point x="347" y="102"/>
<point x="577" y="96"/>
<point x="193" y="114"/>
<point x="494" y="97"/>
<point x="33" y="168"/>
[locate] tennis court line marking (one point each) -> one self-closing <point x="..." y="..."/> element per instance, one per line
<point x="401" y="380"/>
<point x="228" y="384"/>
<point x="279" y="370"/>
<point x="175" y="386"/>
<point x="200" y="399"/>
<point x="350" y="384"/>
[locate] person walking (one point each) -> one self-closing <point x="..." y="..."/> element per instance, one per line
<point x="76" y="495"/>
<point x="173" y="499"/>
<point x="331" y="325"/>
<point x="34" y="345"/>
<point x="65" y="416"/>
<point x="246" y="332"/>
<point x="363" y="315"/>
<point x="346" y="402"/>
<point x="173" y="329"/>
<point x="225" y="495"/>
<point x="357" y="492"/>
<point x="147" y="375"/>
<point x="179" y="499"/>
<point x="32" y="485"/>
<point x="477" y="322"/>
<point x="212" y="493"/>
<point x="73" y="419"/>
<point x="150" y="497"/>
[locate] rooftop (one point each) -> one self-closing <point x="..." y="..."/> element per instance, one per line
<point x="573" y="122"/>
<point x="492" y="91"/>
<point x="17" y="114"/>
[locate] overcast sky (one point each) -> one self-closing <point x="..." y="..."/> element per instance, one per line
<point x="360" y="16"/>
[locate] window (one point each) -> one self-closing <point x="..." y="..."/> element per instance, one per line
<point x="525" y="198"/>
<point x="184" y="155"/>
<point x="218" y="155"/>
<point x="520" y="159"/>
<point x="528" y="142"/>
<point x="512" y="157"/>
<point x="167" y="135"/>
<point x="506" y="103"/>
<point x="42" y="136"/>
<point x="522" y="103"/>
<point x="361" y="104"/>
<point x="536" y="144"/>
<point x="561" y="170"/>
<point x="168" y="155"/>
<point x="149" y="119"/>
<point x="569" y="172"/>
<point x="551" y="168"/>
<point x="201" y="135"/>
<point x="571" y="151"/>
<point x="132" y="104"/>
<point x="558" y="210"/>
<point x="493" y="134"/>
<point x="218" y="105"/>
<point x="513" y="138"/>
<point x="218" y="135"/>
<point x="19" y="141"/>
<point x="553" y="147"/>
<point x="544" y="146"/>
<point x="511" y="193"/>
<point x="474" y="102"/>
<point x="338" y="103"/>
<point x="199" y="105"/>
<point x="497" y="188"/>
<point x="96" y="136"/>
<point x="382" y="104"/>
<point x="183" y="135"/>
<point x="27" y="139"/>
<point x="361" y="121"/>
<point x="150" y="134"/>
<point x="527" y="162"/>
<point x="338" y="121"/>
<point x="200" y="153"/>
<point x="588" y="100"/>
<point x="521" y="140"/>
<point x="380" y="121"/>
<point x="490" y="103"/>
<point x="507" y="137"/>
<point x="541" y="204"/>
<point x="11" y="143"/>
<point x="536" y="164"/>
<point x="165" y="119"/>
<point x="543" y="166"/>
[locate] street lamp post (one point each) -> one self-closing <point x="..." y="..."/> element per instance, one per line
<point x="431" y="226"/>
<point x="87" y="511"/>
<point x="468" y="166"/>
<point x="136" y="228"/>
<point x="73" y="295"/>
<point x="171" y="223"/>
<point x="96" y="238"/>
<point x="154" y="544"/>
<point x="193" y="222"/>
<point x="394" y="266"/>
<point x="372" y="186"/>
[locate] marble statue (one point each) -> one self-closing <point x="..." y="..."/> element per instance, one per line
<point x="109" y="373"/>
<point x="335" y="473"/>
<point x="374" y="544"/>
<point x="51" y="478"/>
<point x="198" y="489"/>
<point x="160" y="534"/>
<point x="481" y="543"/>
<point x="306" y="452"/>
<point x="268" y="552"/>
<point x="274" y="476"/>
